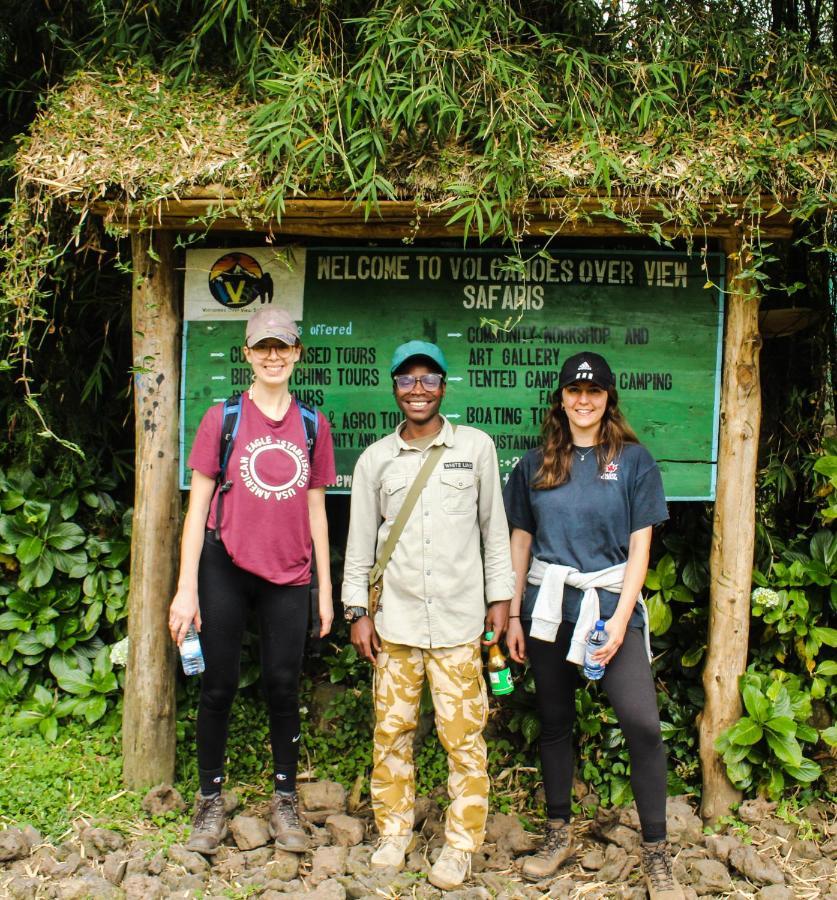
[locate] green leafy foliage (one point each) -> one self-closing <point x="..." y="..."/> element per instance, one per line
<point x="764" y="748"/>
<point x="63" y="596"/>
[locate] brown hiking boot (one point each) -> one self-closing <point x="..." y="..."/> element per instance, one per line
<point x="209" y="827"/>
<point x="659" y="877"/>
<point x="557" y="847"/>
<point x="283" y="824"/>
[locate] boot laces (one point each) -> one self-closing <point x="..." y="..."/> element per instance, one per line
<point x="657" y="863"/>
<point x="555" y="839"/>
<point x="287" y="810"/>
<point x="210" y="812"/>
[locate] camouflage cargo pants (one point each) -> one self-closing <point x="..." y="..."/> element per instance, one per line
<point x="461" y="704"/>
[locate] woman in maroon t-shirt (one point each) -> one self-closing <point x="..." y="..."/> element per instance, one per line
<point x="272" y="520"/>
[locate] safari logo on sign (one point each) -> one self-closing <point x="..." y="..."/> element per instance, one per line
<point x="236" y="280"/>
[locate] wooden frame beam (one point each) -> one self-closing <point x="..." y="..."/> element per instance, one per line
<point x="396" y="219"/>
<point x="734" y="530"/>
<point x="148" y="722"/>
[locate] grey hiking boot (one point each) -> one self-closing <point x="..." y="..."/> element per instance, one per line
<point x="209" y="827"/>
<point x="557" y="847"/>
<point x="659" y="876"/>
<point x="284" y="826"/>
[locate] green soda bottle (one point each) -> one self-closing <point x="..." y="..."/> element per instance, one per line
<point x="499" y="674"/>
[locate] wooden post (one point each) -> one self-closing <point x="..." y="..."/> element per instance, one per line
<point x="733" y="533"/>
<point x="148" y="726"/>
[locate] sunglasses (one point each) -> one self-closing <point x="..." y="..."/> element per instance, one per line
<point x="431" y="382"/>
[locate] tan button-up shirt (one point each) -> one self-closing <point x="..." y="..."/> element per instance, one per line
<point x="434" y="591"/>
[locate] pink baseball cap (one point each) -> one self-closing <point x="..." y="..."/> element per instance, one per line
<point x="271" y="322"/>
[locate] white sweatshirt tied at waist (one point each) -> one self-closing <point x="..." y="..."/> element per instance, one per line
<point x="546" y="616"/>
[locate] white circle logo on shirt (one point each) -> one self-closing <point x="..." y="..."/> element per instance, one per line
<point x="267" y="476"/>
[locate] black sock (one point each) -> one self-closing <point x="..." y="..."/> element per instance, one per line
<point x="284" y="780"/>
<point x="211" y="781"/>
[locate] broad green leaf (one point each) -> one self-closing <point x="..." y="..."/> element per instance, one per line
<point x="806" y="733"/>
<point x="740" y="774"/>
<point x="92" y="708"/>
<point x="659" y="614"/>
<point x="692" y="656"/>
<point x="776" y="783"/>
<point x="29" y="549"/>
<point x="68" y="506"/>
<point x="36" y="575"/>
<point x="828" y="668"/>
<point x="825" y="635"/>
<point x="829" y="735"/>
<point x="827" y="465"/>
<point x="781" y="725"/>
<point x="806" y="772"/>
<point x="652" y="580"/>
<point x="11" y="620"/>
<point x="71" y="680"/>
<point x="782" y="705"/>
<point x="785" y="747"/>
<point x="681" y="594"/>
<point x="736" y="753"/>
<point x="65" y="536"/>
<point x="758" y="706"/>
<point x="745" y="732"/>
<point x="48" y="726"/>
<point x="824" y="547"/>
<point x="667" y="572"/>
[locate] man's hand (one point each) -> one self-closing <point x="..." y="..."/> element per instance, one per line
<point x="496" y="620"/>
<point x="365" y="639"/>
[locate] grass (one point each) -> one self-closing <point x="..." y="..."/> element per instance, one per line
<point x="55" y="786"/>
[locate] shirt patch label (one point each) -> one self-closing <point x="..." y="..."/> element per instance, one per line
<point x="611" y="472"/>
<point x="458" y="465"/>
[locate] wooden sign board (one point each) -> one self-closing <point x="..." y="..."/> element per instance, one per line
<point x="656" y="316"/>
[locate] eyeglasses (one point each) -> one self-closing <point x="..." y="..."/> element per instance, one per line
<point x="432" y="381"/>
<point x="264" y="350"/>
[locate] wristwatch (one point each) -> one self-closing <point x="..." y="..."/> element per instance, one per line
<point x="353" y="613"/>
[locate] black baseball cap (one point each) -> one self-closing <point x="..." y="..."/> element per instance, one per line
<point x="588" y="368"/>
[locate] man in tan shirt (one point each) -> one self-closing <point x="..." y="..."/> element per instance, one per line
<point x="436" y="588"/>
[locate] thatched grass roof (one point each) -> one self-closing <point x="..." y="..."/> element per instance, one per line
<point x="131" y="138"/>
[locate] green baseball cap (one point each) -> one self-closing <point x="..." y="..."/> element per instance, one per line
<point x="407" y="351"/>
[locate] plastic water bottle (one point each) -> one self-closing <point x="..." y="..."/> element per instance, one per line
<point x="191" y="654"/>
<point x="499" y="674"/>
<point x="596" y="639"/>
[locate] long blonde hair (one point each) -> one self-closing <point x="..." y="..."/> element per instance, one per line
<point x="557" y="441"/>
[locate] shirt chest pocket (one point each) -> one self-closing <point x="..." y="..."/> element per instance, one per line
<point x="393" y="492"/>
<point x="459" y="493"/>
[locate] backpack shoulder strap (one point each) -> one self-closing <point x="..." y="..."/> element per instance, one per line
<point x="311" y="421"/>
<point x="229" y="429"/>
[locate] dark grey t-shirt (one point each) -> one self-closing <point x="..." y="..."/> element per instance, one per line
<point x="586" y="522"/>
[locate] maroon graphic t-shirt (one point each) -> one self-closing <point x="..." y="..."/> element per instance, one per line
<point x="266" y="528"/>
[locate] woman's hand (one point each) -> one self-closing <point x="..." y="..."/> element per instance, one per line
<point x="516" y="641"/>
<point x="615" y="629"/>
<point x="326" y="610"/>
<point x="184" y="610"/>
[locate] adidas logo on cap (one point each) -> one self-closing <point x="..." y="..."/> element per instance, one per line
<point x="585" y="366"/>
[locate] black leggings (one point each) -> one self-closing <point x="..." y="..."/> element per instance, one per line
<point x="629" y="685"/>
<point x="226" y="594"/>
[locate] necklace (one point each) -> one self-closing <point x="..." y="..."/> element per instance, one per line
<point x="583" y="456"/>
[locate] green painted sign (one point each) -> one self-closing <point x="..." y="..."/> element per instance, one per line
<point x="656" y="316"/>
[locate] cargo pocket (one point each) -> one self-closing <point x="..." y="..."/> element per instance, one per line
<point x="393" y="492"/>
<point x="458" y="492"/>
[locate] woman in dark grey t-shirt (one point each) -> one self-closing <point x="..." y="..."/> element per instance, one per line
<point x="586" y="500"/>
